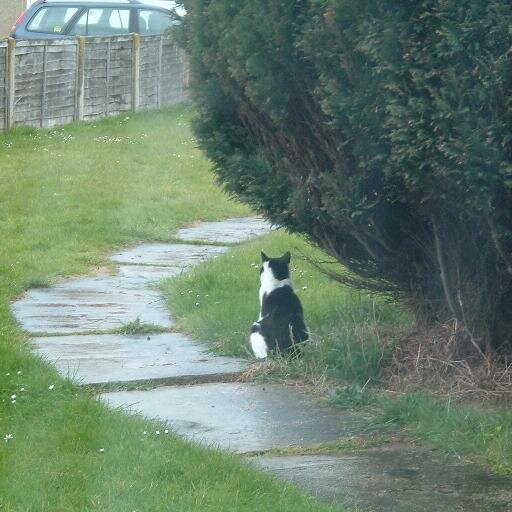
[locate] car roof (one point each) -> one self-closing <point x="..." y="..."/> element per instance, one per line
<point x="166" y="5"/>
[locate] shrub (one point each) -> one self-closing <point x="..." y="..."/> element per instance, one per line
<point x="382" y="130"/>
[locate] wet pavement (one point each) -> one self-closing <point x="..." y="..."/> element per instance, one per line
<point x="90" y="304"/>
<point x="116" y="358"/>
<point x="178" y="256"/>
<point x="226" y="231"/>
<point x="241" y="417"/>
<point x="70" y="325"/>
<point x="397" y="481"/>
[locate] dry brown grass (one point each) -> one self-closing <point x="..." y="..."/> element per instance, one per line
<point x="442" y="361"/>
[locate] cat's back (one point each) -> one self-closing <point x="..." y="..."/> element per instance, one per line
<point x="282" y="299"/>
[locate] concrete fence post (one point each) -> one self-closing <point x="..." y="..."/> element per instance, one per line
<point x="80" y="79"/>
<point x="9" y="84"/>
<point x="136" y="72"/>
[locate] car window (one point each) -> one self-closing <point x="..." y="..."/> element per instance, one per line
<point x="51" y="20"/>
<point x="153" y="22"/>
<point x="102" y="21"/>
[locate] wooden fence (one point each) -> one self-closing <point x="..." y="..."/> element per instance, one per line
<point x="45" y="83"/>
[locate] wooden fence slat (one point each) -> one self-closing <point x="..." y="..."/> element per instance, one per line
<point x="80" y="79"/>
<point x="43" y="92"/>
<point x="159" y="78"/>
<point x="135" y="72"/>
<point x="107" y="78"/>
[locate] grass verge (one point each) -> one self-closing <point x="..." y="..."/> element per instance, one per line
<point x="218" y="301"/>
<point x="447" y="424"/>
<point x="68" y="196"/>
<point x="457" y="429"/>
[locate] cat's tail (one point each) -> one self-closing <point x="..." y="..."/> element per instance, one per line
<point x="258" y="345"/>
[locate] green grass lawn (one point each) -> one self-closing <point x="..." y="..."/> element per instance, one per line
<point x="68" y="197"/>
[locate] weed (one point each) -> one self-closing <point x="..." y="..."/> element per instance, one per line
<point x="38" y="282"/>
<point x="344" y="445"/>
<point x="353" y="396"/>
<point x="138" y="327"/>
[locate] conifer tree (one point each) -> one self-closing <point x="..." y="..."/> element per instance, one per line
<point x="380" y="129"/>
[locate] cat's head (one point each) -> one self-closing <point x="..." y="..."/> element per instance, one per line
<point x="278" y="267"/>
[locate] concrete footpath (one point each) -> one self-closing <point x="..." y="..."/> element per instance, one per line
<point x="199" y="395"/>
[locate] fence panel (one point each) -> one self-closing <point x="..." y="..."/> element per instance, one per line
<point x="108" y="72"/>
<point x="173" y="73"/>
<point x="54" y="82"/>
<point x="44" y="82"/>
<point x="150" y="71"/>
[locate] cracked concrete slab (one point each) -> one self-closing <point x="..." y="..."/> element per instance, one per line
<point x="240" y="417"/>
<point x="228" y="231"/>
<point x="391" y="481"/>
<point x="181" y="256"/>
<point x="95" y="359"/>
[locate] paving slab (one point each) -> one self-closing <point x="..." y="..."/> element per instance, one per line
<point x="181" y="256"/>
<point x="240" y="417"/>
<point x="392" y="481"/>
<point x="143" y="275"/>
<point x="89" y="304"/>
<point x="227" y="231"/>
<point x="95" y="359"/>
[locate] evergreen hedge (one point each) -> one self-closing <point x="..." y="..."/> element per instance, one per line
<point x="380" y="129"/>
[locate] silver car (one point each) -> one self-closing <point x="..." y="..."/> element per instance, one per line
<point x="58" y="19"/>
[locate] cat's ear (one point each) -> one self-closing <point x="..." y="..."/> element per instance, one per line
<point x="287" y="257"/>
<point x="264" y="257"/>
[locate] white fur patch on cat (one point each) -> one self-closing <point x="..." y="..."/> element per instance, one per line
<point x="269" y="282"/>
<point x="259" y="347"/>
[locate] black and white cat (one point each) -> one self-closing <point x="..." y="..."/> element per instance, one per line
<point x="281" y="323"/>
